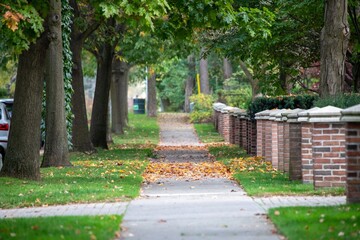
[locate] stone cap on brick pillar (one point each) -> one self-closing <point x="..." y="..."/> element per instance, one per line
<point x="291" y="115"/>
<point x="264" y="115"/>
<point x="243" y="115"/>
<point x="227" y="109"/>
<point x="236" y="111"/>
<point x="218" y="106"/>
<point x="325" y="114"/>
<point x="275" y="114"/>
<point x="351" y="114"/>
<point x="303" y="116"/>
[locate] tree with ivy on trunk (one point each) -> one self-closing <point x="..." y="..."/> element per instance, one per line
<point x="56" y="143"/>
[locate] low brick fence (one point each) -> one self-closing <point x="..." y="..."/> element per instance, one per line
<point x="320" y="146"/>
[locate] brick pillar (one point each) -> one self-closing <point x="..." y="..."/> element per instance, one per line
<point x="221" y="124"/>
<point x="281" y="141"/>
<point x="237" y="130"/>
<point x="328" y="147"/>
<point x="295" y="172"/>
<point x="259" y="137"/>
<point x="226" y="126"/>
<point x="243" y="132"/>
<point x="231" y="128"/>
<point x="253" y="148"/>
<point x="307" y="163"/>
<point x="352" y="118"/>
<point x="274" y="139"/>
<point x="268" y="139"/>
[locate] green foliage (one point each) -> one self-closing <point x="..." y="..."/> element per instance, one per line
<point x="52" y="228"/>
<point x="202" y="111"/>
<point x="171" y="76"/>
<point x="281" y="102"/>
<point x="3" y="93"/>
<point x="340" y="101"/>
<point x="239" y="96"/>
<point x="330" y="222"/>
<point x="207" y="133"/>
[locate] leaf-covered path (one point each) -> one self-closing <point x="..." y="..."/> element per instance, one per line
<point x="188" y="196"/>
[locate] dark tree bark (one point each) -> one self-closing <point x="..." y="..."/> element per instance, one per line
<point x="151" y="96"/>
<point x="228" y="71"/>
<point x="253" y="81"/>
<point x="80" y="131"/>
<point x="119" y="87"/>
<point x="204" y="75"/>
<point x="56" y="145"/>
<point x="190" y="82"/>
<point x="23" y="158"/>
<point x="334" y="43"/>
<point x="99" y="116"/>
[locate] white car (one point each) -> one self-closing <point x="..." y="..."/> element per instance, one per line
<point x="4" y="131"/>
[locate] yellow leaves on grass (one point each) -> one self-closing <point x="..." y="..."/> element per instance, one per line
<point x="250" y="164"/>
<point x="177" y="148"/>
<point x="187" y="170"/>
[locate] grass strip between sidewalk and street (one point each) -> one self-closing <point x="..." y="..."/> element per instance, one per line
<point x="333" y="222"/>
<point x="51" y="228"/>
<point x="106" y="176"/>
<point x="256" y="176"/>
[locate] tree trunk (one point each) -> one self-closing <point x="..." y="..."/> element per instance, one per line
<point x="151" y="96"/>
<point x="22" y="157"/>
<point x="109" y="138"/>
<point x="80" y="130"/>
<point x="99" y="116"/>
<point x="204" y="75"/>
<point x="334" y="43"/>
<point x="56" y="145"/>
<point x="119" y="96"/>
<point x="253" y="82"/>
<point x="190" y="82"/>
<point x="227" y="68"/>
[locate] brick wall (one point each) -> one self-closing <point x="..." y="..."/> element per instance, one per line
<point x="281" y="145"/>
<point x="244" y="136"/>
<point x="294" y="139"/>
<point x="268" y="139"/>
<point x="237" y="131"/>
<point x="306" y="153"/>
<point x="232" y="128"/>
<point x="260" y="138"/>
<point x="353" y="162"/>
<point x="226" y="125"/>
<point x="328" y="149"/>
<point x="274" y="144"/>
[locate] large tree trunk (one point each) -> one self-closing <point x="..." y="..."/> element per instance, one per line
<point x="99" y="116"/>
<point x="119" y="95"/>
<point x="228" y="71"/>
<point x="190" y="82"/>
<point x="23" y="158"/>
<point x="253" y="81"/>
<point x="80" y="131"/>
<point x="56" y="145"/>
<point x="334" y="43"/>
<point x="204" y="75"/>
<point x="151" y="96"/>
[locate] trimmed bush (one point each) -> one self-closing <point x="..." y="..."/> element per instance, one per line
<point x="281" y="102"/>
<point x="340" y="101"/>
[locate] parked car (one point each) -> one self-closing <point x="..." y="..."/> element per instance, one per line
<point x="4" y="131"/>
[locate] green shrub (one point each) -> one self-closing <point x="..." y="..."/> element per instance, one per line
<point x="3" y="93"/>
<point x="340" y="101"/>
<point x="281" y="102"/>
<point x="240" y="97"/>
<point x="202" y="111"/>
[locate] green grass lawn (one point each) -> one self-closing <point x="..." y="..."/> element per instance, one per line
<point x="51" y="228"/>
<point x="141" y="130"/>
<point x="207" y="133"/>
<point x="108" y="175"/>
<point x="335" y="222"/>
